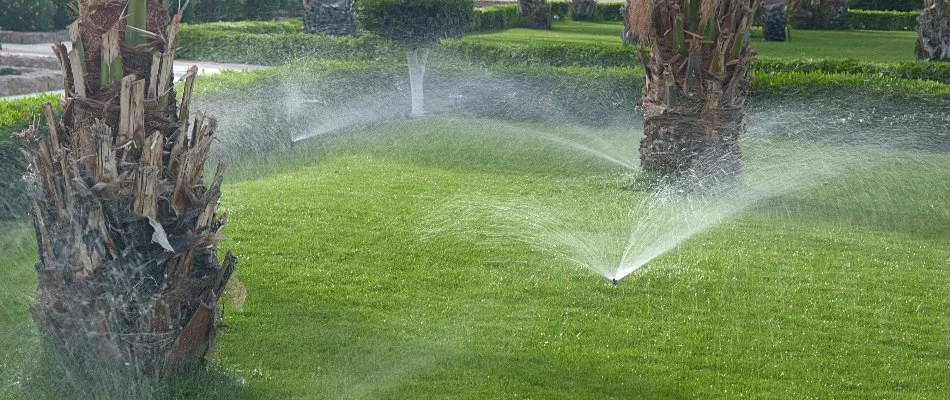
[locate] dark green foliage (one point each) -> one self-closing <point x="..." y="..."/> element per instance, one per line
<point x="883" y="20"/>
<point x="28" y="15"/>
<point x="212" y="10"/>
<point x="225" y="43"/>
<point x="262" y="10"/>
<point x="909" y="70"/>
<point x="505" y="16"/>
<point x="495" y="17"/>
<point x="893" y="5"/>
<point x="415" y="23"/>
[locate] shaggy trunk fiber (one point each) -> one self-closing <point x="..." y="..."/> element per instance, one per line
<point x="696" y="83"/>
<point x="773" y="20"/>
<point x="417" y="76"/>
<point x="536" y="13"/>
<point x="819" y="14"/>
<point x="329" y="17"/>
<point x="933" y="42"/>
<point x="583" y="9"/>
<point x="128" y="273"/>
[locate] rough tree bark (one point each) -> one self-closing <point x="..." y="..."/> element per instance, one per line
<point x="583" y="9"/>
<point x="933" y="41"/>
<point x="128" y="273"/>
<point x="773" y="20"/>
<point x="536" y="13"/>
<point x="329" y="17"/>
<point x="696" y="83"/>
<point x="819" y="14"/>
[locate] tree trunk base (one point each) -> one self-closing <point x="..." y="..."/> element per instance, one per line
<point x="773" y="23"/>
<point x="933" y="41"/>
<point x="329" y="17"/>
<point x="536" y="13"/>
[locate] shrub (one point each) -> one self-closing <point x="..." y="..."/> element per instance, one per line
<point x="415" y="23"/>
<point x="252" y="27"/>
<point x="212" y="10"/>
<point x="494" y="17"/>
<point x="609" y="12"/>
<point x="221" y="44"/>
<point x="27" y="15"/>
<point x="883" y="20"/>
<point x="892" y="5"/>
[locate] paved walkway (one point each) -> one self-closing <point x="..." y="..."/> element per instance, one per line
<point x="181" y="66"/>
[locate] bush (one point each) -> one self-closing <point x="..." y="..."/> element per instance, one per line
<point x="415" y="23"/>
<point x="883" y="20"/>
<point x="218" y="43"/>
<point x="609" y="12"/>
<point x="892" y="5"/>
<point x="27" y="15"/>
<point x="494" y="18"/>
<point x="907" y="70"/>
<point x="212" y="10"/>
<point x="252" y="27"/>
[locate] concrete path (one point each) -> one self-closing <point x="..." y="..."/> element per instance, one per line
<point x="181" y="66"/>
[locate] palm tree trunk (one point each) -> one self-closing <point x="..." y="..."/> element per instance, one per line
<point x="696" y="83"/>
<point x="536" y="13"/>
<point x="773" y="20"/>
<point x="128" y="273"/>
<point x="583" y="9"/>
<point x="329" y="17"/>
<point x="933" y="42"/>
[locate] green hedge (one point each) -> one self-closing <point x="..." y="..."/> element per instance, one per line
<point x="253" y="27"/>
<point x="883" y="20"/>
<point x="504" y="16"/>
<point x="573" y="55"/>
<point x="892" y="5"/>
<point x="198" y="43"/>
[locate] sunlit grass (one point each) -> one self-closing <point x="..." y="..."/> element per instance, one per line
<point x="837" y="291"/>
<point x="876" y="46"/>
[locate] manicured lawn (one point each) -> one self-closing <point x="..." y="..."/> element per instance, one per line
<point x="877" y="46"/>
<point x="400" y="261"/>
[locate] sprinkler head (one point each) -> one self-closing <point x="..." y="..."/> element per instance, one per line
<point x="614" y="280"/>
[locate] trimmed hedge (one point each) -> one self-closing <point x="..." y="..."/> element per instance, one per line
<point x="504" y="16"/>
<point x="28" y="15"/>
<point x="568" y="55"/>
<point x="892" y="5"/>
<point x="198" y="43"/>
<point x="883" y="20"/>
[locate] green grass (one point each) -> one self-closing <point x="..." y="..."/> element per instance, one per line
<point x="875" y="46"/>
<point x="834" y="291"/>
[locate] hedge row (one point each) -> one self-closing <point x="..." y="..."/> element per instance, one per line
<point x="223" y="45"/>
<point x="883" y="20"/>
<point x="892" y="5"/>
<point x="573" y="55"/>
<point x="505" y="16"/>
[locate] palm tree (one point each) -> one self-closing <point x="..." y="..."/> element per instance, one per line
<point x="696" y="58"/>
<point x="933" y="42"/>
<point x="583" y="9"/>
<point x="128" y="273"/>
<point x="819" y="14"/>
<point x="329" y="17"/>
<point x="536" y="13"/>
<point x="773" y="20"/>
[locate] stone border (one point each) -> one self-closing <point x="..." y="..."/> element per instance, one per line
<point x="33" y="37"/>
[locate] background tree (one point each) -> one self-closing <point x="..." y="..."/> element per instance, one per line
<point x="536" y="13"/>
<point x="773" y="20"/>
<point x="329" y="17"/>
<point x="583" y="9"/>
<point x="933" y="41"/>
<point x="696" y="58"/>
<point x="416" y="25"/>
<point x="819" y="14"/>
<point x="126" y="229"/>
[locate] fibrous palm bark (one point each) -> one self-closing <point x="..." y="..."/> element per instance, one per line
<point x="773" y="20"/>
<point x="583" y="9"/>
<point x="933" y="42"/>
<point x="126" y="229"/>
<point x="329" y="17"/>
<point x="819" y="14"/>
<point x="536" y="13"/>
<point x="696" y="57"/>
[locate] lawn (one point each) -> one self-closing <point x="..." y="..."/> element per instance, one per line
<point x="876" y="46"/>
<point x="377" y="265"/>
